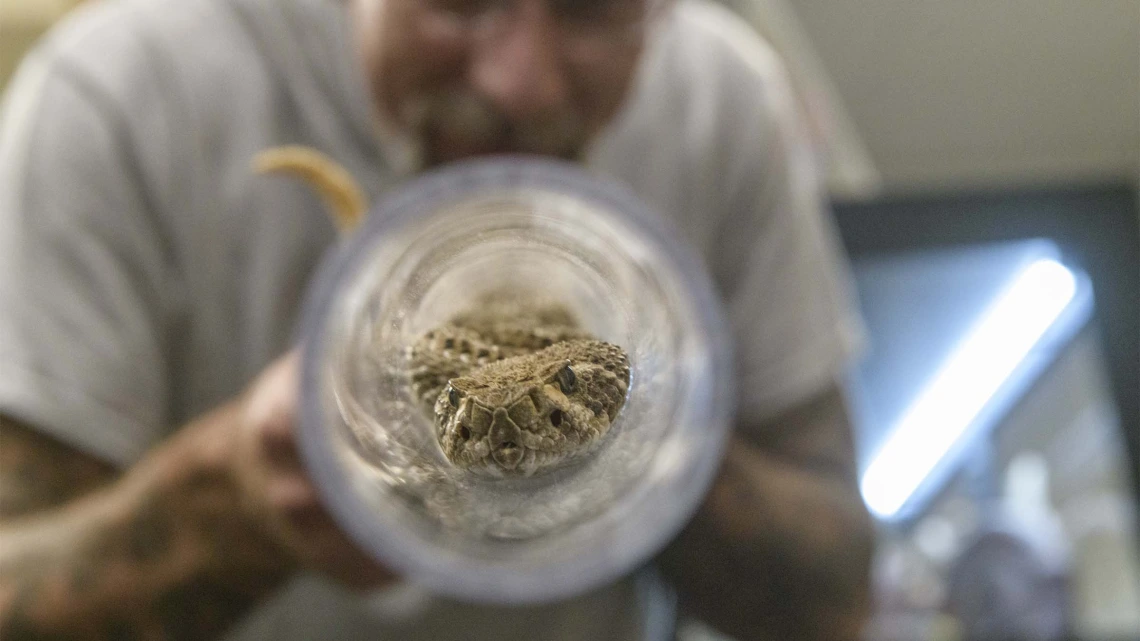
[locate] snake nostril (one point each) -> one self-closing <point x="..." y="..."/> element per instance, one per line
<point x="464" y="433"/>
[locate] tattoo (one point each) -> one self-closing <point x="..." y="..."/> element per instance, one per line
<point x="18" y="625"/>
<point x="121" y="630"/>
<point x="171" y="557"/>
<point x="149" y="534"/>
<point x="38" y="472"/>
<point x="781" y="547"/>
<point x="203" y="604"/>
<point x="817" y="436"/>
<point x="87" y="570"/>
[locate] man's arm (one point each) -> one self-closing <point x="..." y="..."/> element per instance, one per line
<point x="37" y="472"/>
<point x="160" y="552"/>
<point x="180" y="545"/>
<point x="781" y="548"/>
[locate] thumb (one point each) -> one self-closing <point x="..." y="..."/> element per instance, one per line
<point x="271" y="403"/>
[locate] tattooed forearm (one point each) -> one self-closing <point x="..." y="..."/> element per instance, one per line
<point x="781" y="547"/>
<point x="164" y="551"/>
<point x="38" y="472"/>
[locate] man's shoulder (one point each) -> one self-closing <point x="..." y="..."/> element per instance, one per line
<point x="708" y="78"/>
<point x="117" y="47"/>
<point x="717" y="52"/>
<point x="725" y="37"/>
<point x="705" y="99"/>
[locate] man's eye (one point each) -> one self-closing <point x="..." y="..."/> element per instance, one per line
<point x="463" y="8"/>
<point x="600" y="11"/>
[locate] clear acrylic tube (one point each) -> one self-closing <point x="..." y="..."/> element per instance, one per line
<point x="429" y="251"/>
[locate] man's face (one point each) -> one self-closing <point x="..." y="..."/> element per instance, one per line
<point x="473" y="77"/>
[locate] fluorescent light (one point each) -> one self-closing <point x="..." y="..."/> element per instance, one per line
<point x="965" y="383"/>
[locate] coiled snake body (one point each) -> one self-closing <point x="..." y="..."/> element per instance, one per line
<point x="514" y="384"/>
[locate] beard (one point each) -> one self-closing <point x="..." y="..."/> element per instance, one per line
<point x="453" y="124"/>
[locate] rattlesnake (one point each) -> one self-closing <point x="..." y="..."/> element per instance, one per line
<point x="514" y="384"/>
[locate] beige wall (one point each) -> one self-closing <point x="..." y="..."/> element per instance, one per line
<point x="986" y="92"/>
<point x="21" y="23"/>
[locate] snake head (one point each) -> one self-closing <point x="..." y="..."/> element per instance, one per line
<point x="530" y="413"/>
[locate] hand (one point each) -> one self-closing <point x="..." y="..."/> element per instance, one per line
<point x="275" y="485"/>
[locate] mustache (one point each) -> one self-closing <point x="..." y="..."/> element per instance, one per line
<point x="475" y="120"/>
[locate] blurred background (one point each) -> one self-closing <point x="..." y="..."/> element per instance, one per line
<point x="983" y="157"/>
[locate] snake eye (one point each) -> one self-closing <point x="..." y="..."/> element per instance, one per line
<point x="556" y="418"/>
<point x="566" y="379"/>
<point x="453" y="397"/>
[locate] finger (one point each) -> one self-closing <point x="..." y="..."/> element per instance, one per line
<point x="272" y="400"/>
<point x="316" y="538"/>
<point x="271" y="411"/>
<point x="333" y="553"/>
<point x="280" y="449"/>
<point x="359" y="571"/>
<point x="292" y="495"/>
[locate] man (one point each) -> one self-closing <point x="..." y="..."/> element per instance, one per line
<point x="149" y="489"/>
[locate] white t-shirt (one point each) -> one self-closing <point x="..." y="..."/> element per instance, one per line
<point x="146" y="276"/>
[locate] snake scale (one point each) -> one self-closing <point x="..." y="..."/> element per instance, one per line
<point x="514" y="384"/>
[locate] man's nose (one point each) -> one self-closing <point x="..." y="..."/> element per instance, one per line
<point x="521" y="68"/>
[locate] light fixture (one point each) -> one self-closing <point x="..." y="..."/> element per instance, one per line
<point x="967" y="380"/>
